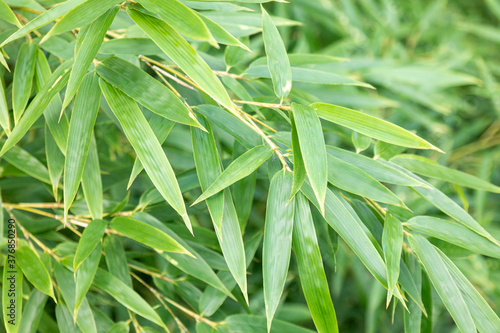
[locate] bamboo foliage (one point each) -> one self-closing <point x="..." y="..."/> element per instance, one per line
<point x="253" y="148"/>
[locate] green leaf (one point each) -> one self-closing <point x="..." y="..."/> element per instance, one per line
<point x="4" y="109"/>
<point x="443" y="282"/>
<point x="256" y="324"/>
<point x="149" y="151"/>
<point x="147" y="235"/>
<point x="221" y="35"/>
<point x="392" y="243"/>
<point x="64" y="320"/>
<point x="147" y="91"/>
<point x="180" y="17"/>
<point x="55" y="162"/>
<point x="116" y="260"/>
<point x="349" y="178"/>
<point x="126" y="296"/>
<point x="80" y="133"/>
<point x="58" y="126"/>
<point x="370" y="126"/>
<point x="485" y="318"/>
<point x="429" y="168"/>
<point x="23" y="78"/>
<point x="312" y="146"/>
<point x="454" y="233"/>
<point x="243" y="190"/>
<point x="380" y="171"/>
<point x="88" y="48"/>
<point x="43" y="19"/>
<point x="13" y="278"/>
<point x="33" y="311"/>
<point x="182" y="54"/>
<point x="55" y="83"/>
<point x="130" y="46"/>
<point x="231" y="125"/>
<point x="311" y="271"/>
<point x="238" y="169"/>
<point x="121" y="327"/>
<point x="360" y="141"/>
<point x="8" y="15"/>
<point x="80" y="16"/>
<point x="85" y="275"/>
<point x="277" y="59"/>
<point x="299" y="169"/>
<point x="88" y="241"/>
<point x="27" y="163"/>
<point x="161" y="128"/>
<point x="91" y="181"/>
<point x="277" y="241"/>
<point x="34" y="270"/>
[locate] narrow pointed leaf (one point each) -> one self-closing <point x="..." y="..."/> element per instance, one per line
<point x="312" y="146"/>
<point x="144" y="89"/>
<point x="33" y="311"/>
<point x="55" y="162"/>
<point x="171" y="10"/>
<point x="81" y="15"/>
<point x="299" y="169"/>
<point x="277" y="241"/>
<point x="126" y="296"/>
<point x="311" y="271"/>
<point x="90" y="44"/>
<point x="34" y="270"/>
<point x="181" y="53"/>
<point x="23" y="78"/>
<point x="91" y="236"/>
<point x="392" y="243"/>
<point x="371" y="126"/>
<point x="58" y="127"/>
<point x="43" y="19"/>
<point x="4" y="109"/>
<point x="454" y="233"/>
<point x="147" y="235"/>
<point x="92" y="182"/>
<point x="277" y="58"/>
<point x="85" y="275"/>
<point x="443" y="282"/>
<point x="257" y="324"/>
<point x="80" y="133"/>
<point x="147" y="147"/>
<point x="55" y="83"/>
<point x="12" y="277"/>
<point x="221" y="35"/>
<point x="8" y="15"/>
<point x="243" y="190"/>
<point x="429" y="168"/>
<point x="27" y="163"/>
<point x="238" y="169"/>
<point x="116" y="260"/>
<point x="485" y="318"/>
<point x="64" y="320"/>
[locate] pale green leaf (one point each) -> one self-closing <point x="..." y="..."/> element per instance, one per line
<point x="12" y="276"/>
<point x="92" y="182"/>
<point x="23" y="78"/>
<point x="34" y="270"/>
<point x="85" y="275"/>
<point x="33" y="311"/>
<point x="7" y="15"/>
<point x="91" y="236"/>
<point x="392" y="243"/>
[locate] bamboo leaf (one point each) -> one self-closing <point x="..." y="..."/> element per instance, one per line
<point x="149" y="151"/>
<point x="91" y="181"/>
<point x="88" y="48"/>
<point x="299" y="170"/>
<point x="55" y="162"/>
<point x="370" y="126"/>
<point x="7" y="15"/>
<point x="360" y="141"/>
<point x="126" y="296"/>
<point x="33" y="311"/>
<point x="64" y="320"/>
<point x="85" y="275"/>
<point x="58" y="127"/>
<point x="312" y="146"/>
<point x="23" y="78"/>
<point x="4" y="109"/>
<point x="220" y="34"/>
<point x="38" y="105"/>
<point x="80" y="16"/>
<point x="454" y="233"/>
<point x="147" y="235"/>
<point x="392" y="243"/>
<point x="43" y="19"/>
<point x="147" y="91"/>
<point x="91" y="236"/>
<point x="277" y="241"/>
<point x="238" y="169"/>
<point x="181" y="53"/>
<point x="34" y="270"/>
<point x="243" y="190"/>
<point x="256" y="324"/>
<point x="311" y="271"/>
<point x="443" y="282"/>
<point x="116" y="261"/>
<point x="181" y="18"/>
<point x="277" y="59"/>
<point x="13" y="278"/>
<point x="27" y="163"/>
<point x="429" y="168"/>
<point x="485" y="318"/>
<point x="80" y="133"/>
